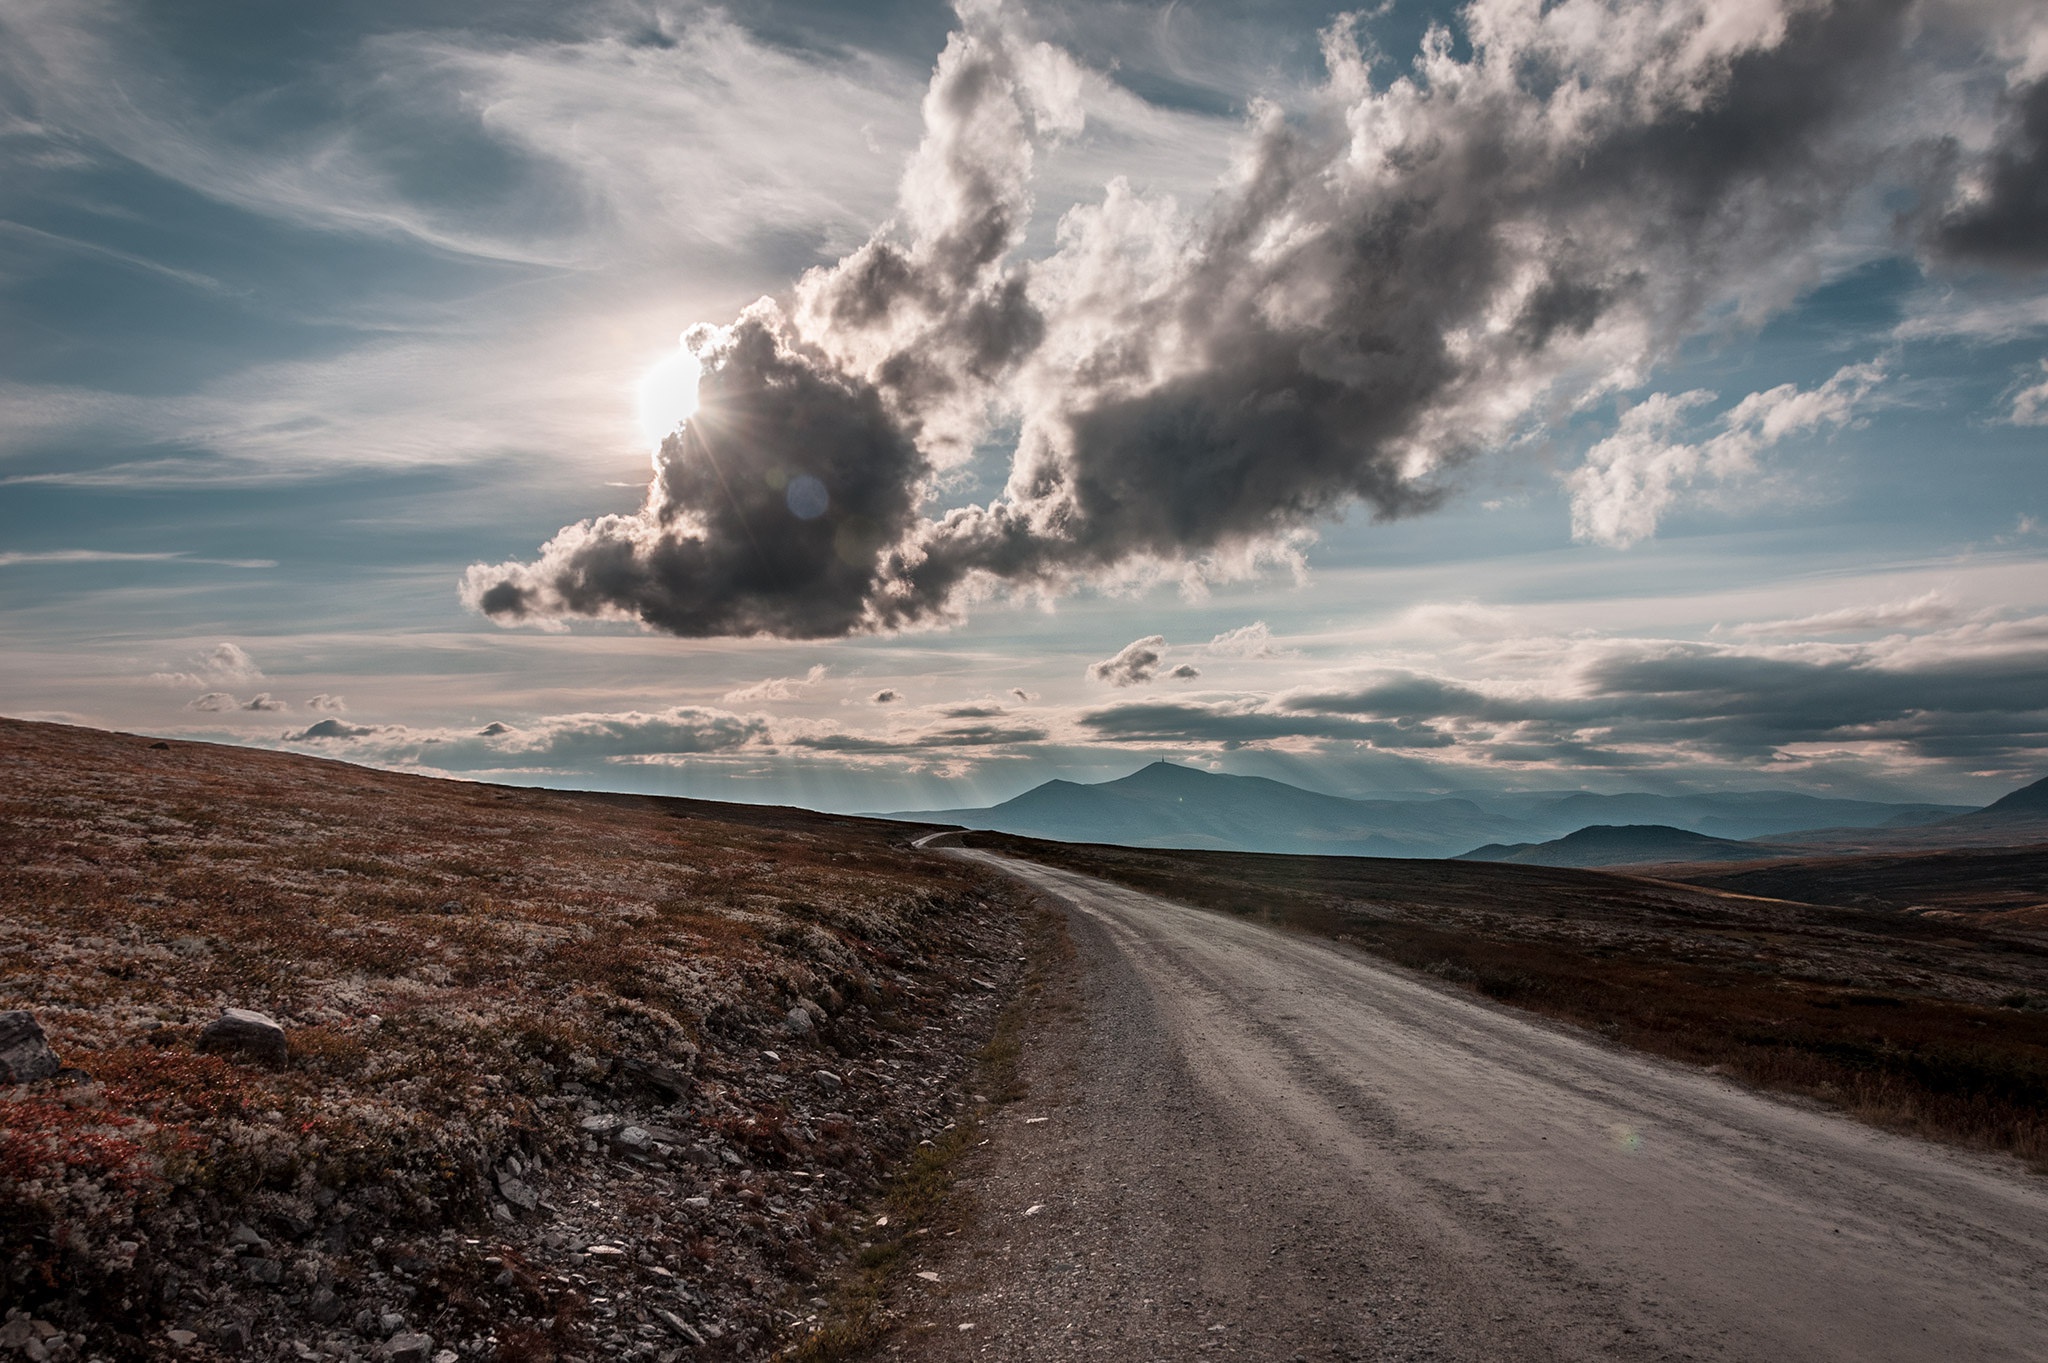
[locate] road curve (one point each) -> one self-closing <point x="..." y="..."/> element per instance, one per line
<point x="1266" y="1146"/>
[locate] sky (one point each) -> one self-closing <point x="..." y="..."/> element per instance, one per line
<point x="895" y="406"/>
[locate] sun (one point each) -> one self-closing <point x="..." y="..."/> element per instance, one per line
<point x="667" y="396"/>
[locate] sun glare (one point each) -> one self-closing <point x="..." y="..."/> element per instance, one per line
<point x="668" y="395"/>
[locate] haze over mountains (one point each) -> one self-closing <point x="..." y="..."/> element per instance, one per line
<point x="1165" y="805"/>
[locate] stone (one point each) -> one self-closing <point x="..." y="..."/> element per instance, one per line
<point x="247" y="1034"/>
<point x="269" y="1272"/>
<point x="25" y="1054"/>
<point x="409" y="1348"/>
<point x="798" y="1022"/>
<point x="635" y="1141"/>
<point x="18" y="1331"/>
<point x="245" y="1234"/>
<point x="682" y="1327"/>
<point x="517" y="1193"/>
<point x="602" y="1124"/>
<point x="325" y="1308"/>
<point x="390" y="1323"/>
<point x="180" y="1338"/>
<point x="664" y="1081"/>
<point x="828" y="1079"/>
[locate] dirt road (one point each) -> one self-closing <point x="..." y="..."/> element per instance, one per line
<point x="1249" y="1144"/>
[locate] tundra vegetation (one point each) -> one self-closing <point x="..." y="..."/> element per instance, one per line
<point x="565" y="1076"/>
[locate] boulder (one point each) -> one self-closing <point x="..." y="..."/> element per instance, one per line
<point x="25" y="1054"/>
<point x="246" y="1034"/>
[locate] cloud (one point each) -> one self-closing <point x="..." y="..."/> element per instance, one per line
<point x="219" y="702"/>
<point x="2000" y="212"/>
<point x="223" y="664"/>
<point x="1630" y="479"/>
<point x="1235" y="724"/>
<point x="777" y="688"/>
<point x="324" y="701"/>
<point x="1135" y="663"/>
<point x="553" y="742"/>
<point x="1021" y="694"/>
<point x="12" y="557"/>
<point x="1246" y="641"/>
<point x="2030" y="405"/>
<point x="332" y="729"/>
<point x="1395" y="278"/>
<point x="1925" y="611"/>
<point x="888" y="695"/>
<point x="1185" y="672"/>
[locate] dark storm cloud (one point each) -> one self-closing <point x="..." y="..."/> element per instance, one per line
<point x="723" y="546"/>
<point x="2004" y="219"/>
<point x="1395" y="278"/>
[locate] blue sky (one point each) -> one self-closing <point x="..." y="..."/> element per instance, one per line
<point x="1631" y="394"/>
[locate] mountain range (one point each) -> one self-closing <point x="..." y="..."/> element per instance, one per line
<point x="1165" y="805"/>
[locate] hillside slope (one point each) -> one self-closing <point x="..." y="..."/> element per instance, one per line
<point x="561" y="1075"/>
<point x="1625" y="845"/>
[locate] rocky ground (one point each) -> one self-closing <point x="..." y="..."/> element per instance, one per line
<point x="562" y="1077"/>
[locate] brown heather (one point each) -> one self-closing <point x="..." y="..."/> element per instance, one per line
<point x="465" y="972"/>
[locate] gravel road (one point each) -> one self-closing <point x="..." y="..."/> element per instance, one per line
<point x="1244" y="1143"/>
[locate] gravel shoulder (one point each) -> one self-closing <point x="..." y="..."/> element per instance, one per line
<point x="1248" y="1143"/>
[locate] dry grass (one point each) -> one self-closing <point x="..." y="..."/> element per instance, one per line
<point x="462" y="969"/>
<point x="1933" y="1024"/>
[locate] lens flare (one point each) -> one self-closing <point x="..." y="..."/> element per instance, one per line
<point x="667" y="396"/>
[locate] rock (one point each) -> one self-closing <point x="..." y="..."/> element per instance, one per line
<point x="161" y="746"/>
<point x="667" y="1083"/>
<point x="633" y="1141"/>
<point x="682" y="1327"/>
<point x="18" y="1331"/>
<point x="601" y="1125"/>
<point x="325" y="1308"/>
<point x="517" y="1193"/>
<point x="245" y="1234"/>
<point x="409" y="1348"/>
<point x="390" y="1323"/>
<point x="828" y="1079"/>
<point x="245" y="1033"/>
<point x="798" y="1022"/>
<point x="269" y="1272"/>
<point x="25" y="1054"/>
<point x="233" y="1336"/>
<point x="180" y="1338"/>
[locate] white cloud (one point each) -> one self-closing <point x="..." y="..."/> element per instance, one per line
<point x="1632" y="478"/>
<point x="2030" y="405"/>
<point x="223" y="664"/>
<point x="1246" y="641"/>
<point x="1928" y="610"/>
<point x="1134" y="664"/>
<point x="776" y="688"/>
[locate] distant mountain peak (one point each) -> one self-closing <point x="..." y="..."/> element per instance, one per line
<point x="2028" y="799"/>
